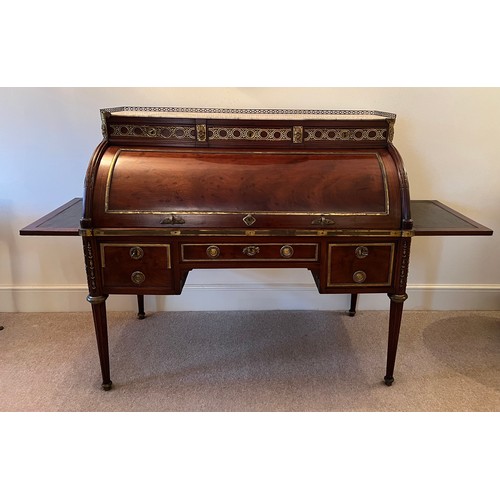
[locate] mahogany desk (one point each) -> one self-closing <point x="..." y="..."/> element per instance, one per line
<point x="168" y="191"/>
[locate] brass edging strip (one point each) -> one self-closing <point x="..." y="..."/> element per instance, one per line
<point x="344" y="285"/>
<point x="242" y="232"/>
<point x="189" y="150"/>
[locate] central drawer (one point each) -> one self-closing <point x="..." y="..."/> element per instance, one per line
<point x="244" y="252"/>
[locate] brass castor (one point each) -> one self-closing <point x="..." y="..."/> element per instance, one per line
<point x="141" y="315"/>
<point x="106" y="387"/>
<point x="388" y="380"/>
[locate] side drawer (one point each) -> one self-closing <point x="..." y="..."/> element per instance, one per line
<point x="360" y="264"/>
<point x="136" y="265"/>
<point x="241" y="252"/>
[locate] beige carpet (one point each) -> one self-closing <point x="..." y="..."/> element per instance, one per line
<point x="251" y="361"/>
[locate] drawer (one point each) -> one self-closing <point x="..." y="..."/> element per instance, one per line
<point x="360" y="264"/>
<point x="136" y="265"/>
<point x="241" y="252"/>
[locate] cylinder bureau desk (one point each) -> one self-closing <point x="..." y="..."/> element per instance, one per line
<point x="169" y="190"/>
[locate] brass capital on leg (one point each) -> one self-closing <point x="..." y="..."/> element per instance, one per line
<point x="398" y="298"/>
<point x="96" y="300"/>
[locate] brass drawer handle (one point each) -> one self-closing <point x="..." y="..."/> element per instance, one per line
<point x="213" y="251"/>
<point x="359" y="277"/>
<point x="136" y="253"/>
<point x="137" y="277"/>
<point x="323" y="221"/>
<point x="361" y="252"/>
<point x="173" y="219"/>
<point x="286" y="251"/>
<point x="251" y="251"/>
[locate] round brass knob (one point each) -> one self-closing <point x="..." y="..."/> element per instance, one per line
<point x="286" y="251"/>
<point x="361" y="252"/>
<point x="137" y="277"/>
<point x="213" y="251"/>
<point x="136" y="253"/>
<point x="251" y="251"/>
<point x="359" y="277"/>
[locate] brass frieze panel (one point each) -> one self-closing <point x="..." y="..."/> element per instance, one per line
<point x="342" y="134"/>
<point x="174" y="132"/>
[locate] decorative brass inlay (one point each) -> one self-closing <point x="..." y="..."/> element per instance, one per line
<point x="249" y="134"/>
<point x="89" y="266"/>
<point x="405" y="262"/>
<point x="174" y="133"/>
<point x="251" y="251"/>
<point x="249" y="219"/>
<point x="173" y="219"/>
<point x="136" y="253"/>
<point x="298" y="134"/>
<point x="286" y="251"/>
<point x="330" y="283"/>
<point x="201" y="132"/>
<point x="361" y="252"/>
<point x="323" y="221"/>
<point x="137" y="277"/>
<point x="213" y="251"/>
<point x="344" y="134"/>
<point x="359" y="277"/>
<point x="310" y="153"/>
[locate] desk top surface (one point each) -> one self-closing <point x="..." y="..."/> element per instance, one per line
<point x="430" y="218"/>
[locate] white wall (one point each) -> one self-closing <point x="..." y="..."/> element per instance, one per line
<point x="448" y="137"/>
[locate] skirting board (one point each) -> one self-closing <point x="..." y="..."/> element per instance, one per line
<point x="230" y="297"/>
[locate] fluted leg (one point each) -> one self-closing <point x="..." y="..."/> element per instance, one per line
<point x="395" y="315"/>
<point x="354" y="300"/>
<point x="101" y="332"/>
<point x="140" y="306"/>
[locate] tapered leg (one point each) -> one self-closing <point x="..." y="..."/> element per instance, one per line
<point x="140" y="306"/>
<point x="101" y="332"/>
<point x="354" y="300"/>
<point x="395" y="315"/>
